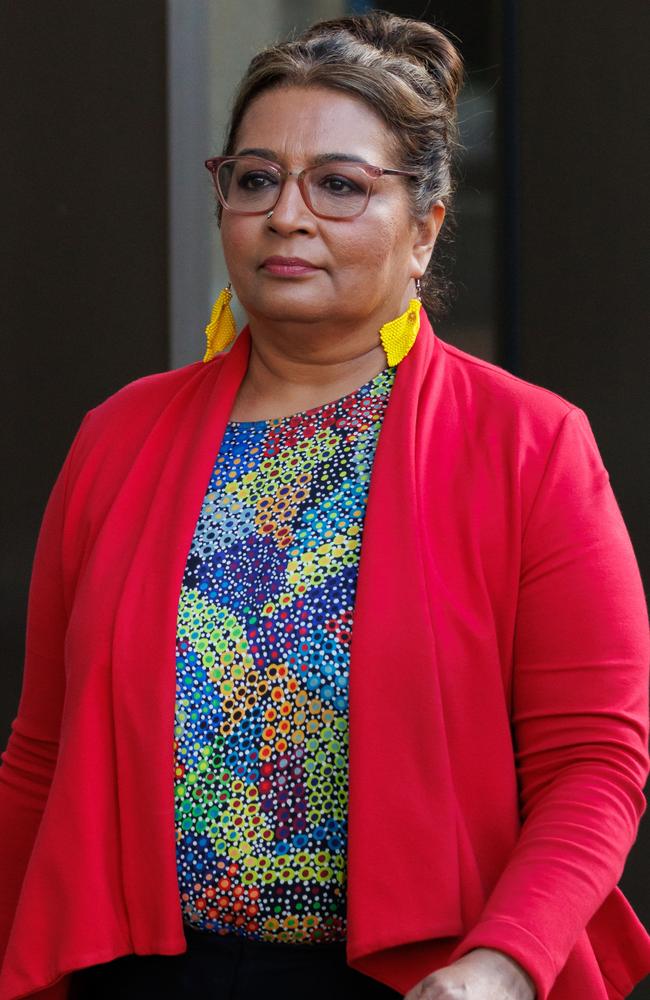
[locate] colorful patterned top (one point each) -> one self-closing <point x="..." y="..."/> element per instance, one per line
<point x="264" y="629"/>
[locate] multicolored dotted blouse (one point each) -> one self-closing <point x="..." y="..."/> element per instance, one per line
<point x="263" y="638"/>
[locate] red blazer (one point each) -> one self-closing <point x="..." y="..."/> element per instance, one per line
<point x="494" y="794"/>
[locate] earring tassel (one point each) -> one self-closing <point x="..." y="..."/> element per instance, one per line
<point x="222" y="329"/>
<point x="399" y="335"/>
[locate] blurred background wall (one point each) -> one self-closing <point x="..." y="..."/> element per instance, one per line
<point x="110" y="251"/>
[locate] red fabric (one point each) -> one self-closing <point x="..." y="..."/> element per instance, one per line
<point x="502" y="783"/>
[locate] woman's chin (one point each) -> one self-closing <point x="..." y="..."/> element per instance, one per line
<point x="291" y="306"/>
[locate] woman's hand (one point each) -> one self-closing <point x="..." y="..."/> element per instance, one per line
<point x="482" y="974"/>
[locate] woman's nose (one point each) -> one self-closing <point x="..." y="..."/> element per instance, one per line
<point x="291" y="211"/>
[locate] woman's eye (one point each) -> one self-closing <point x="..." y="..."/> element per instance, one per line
<point x="336" y="184"/>
<point x="254" y="180"/>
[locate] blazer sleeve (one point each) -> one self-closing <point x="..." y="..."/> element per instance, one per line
<point x="579" y="713"/>
<point x="28" y="762"/>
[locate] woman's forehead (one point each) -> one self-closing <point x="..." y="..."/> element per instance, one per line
<point x="312" y="123"/>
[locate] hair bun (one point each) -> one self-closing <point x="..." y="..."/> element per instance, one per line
<point x="417" y="41"/>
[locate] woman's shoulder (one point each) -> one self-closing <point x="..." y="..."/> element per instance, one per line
<point x="493" y="403"/>
<point x="149" y="390"/>
<point x="122" y="421"/>
<point x="486" y="382"/>
<point x="141" y="401"/>
<point x="532" y="431"/>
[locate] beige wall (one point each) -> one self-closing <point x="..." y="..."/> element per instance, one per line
<point x="209" y="45"/>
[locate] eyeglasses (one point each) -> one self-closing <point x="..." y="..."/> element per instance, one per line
<point x="251" y="185"/>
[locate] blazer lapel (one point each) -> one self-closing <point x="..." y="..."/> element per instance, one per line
<point x="164" y="491"/>
<point x="403" y="874"/>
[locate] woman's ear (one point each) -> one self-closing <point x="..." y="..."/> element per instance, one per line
<point x="426" y="234"/>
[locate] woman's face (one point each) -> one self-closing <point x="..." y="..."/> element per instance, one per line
<point x="362" y="267"/>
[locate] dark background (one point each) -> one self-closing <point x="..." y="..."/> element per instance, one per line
<point x="84" y="242"/>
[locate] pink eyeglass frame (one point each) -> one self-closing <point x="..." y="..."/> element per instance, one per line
<point x="373" y="172"/>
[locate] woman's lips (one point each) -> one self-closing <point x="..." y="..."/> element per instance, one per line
<point x="288" y="266"/>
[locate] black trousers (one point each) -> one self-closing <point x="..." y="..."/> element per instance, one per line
<point x="229" y="967"/>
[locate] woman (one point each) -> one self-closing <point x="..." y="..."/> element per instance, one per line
<point x="459" y="589"/>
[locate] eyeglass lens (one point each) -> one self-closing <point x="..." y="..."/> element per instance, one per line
<point x="333" y="189"/>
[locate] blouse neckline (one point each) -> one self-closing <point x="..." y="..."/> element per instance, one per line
<point x="314" y="410"/>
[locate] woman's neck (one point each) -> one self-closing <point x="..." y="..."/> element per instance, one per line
<point x="277" y="384"/>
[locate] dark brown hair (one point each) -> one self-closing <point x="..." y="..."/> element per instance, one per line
<point x="408" y="72"/>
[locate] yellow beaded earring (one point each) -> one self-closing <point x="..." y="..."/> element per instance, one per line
<point x="398" y="336"/>
<point x="221" y="330"/>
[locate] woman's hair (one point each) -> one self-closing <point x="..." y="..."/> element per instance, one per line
<point x="408" y="72"/>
